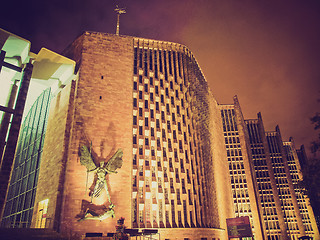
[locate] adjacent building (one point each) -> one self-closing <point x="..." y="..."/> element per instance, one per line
<point x="270" y="167"/>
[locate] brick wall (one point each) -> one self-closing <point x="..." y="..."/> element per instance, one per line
<point x="103" y="115"/>
<point x="53" y="157"/>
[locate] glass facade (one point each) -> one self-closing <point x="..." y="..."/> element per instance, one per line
<point x="20" y="200"/>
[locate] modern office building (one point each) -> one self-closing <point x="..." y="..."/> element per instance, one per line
<point x="272" y="213"/>
<point x="246" y="198"/>
<point x="132" y="130"/>
<point x="264" y="174"/>
<point x="306" y="210"/>
<point x="282" y="214"/>
<point x="284" y="184"/>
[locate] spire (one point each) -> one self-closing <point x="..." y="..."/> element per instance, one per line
<point x="119" y="11"/>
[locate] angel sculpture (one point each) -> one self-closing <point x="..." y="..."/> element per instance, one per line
<point x="100" y="182"/>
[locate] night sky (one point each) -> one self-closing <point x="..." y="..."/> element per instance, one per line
<point x="266" y="52"/>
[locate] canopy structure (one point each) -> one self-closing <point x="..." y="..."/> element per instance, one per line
<point x="50" y="69"/>
<point x="34" y="73"/>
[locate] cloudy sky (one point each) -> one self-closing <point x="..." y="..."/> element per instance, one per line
<point x="266" y="52"/>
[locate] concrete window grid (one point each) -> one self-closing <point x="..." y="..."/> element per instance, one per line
<point x="264" y="183"/>
<point x="180" y="115"/>
<point x="238" y="176"/>
<point x="295" y="178"/>
<point x="303" y="208"/>
<point x="282" y="182"/>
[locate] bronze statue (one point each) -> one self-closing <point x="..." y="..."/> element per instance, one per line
<point x="99" y="183"/>
<point x="95" y="212"/>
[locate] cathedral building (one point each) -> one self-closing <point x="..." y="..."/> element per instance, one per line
<point x="150" y="101"/>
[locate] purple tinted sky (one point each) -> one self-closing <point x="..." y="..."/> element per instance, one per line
<point x="266" y="52"/>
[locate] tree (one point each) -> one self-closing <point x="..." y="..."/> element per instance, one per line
<point x="311" y="176"/>
<point x="315" y="145"/>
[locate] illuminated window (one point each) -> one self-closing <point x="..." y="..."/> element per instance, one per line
<point x="41" y="214"/>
